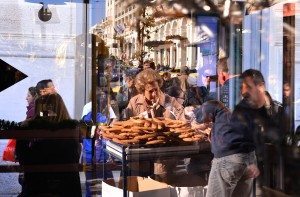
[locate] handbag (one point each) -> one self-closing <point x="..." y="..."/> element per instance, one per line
<point x="9" y="151"/>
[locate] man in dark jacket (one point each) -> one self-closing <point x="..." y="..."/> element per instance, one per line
<point x="235" y="139"/>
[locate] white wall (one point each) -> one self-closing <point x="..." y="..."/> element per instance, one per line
<point x="33" y="47"/>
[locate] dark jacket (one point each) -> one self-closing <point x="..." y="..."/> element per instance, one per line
<point x="245" y="130"/>
<point x="251" y="128"/>
<point x="42" y="152"/>
<point x="51" y="107"/>
<point x="221" y="134"/>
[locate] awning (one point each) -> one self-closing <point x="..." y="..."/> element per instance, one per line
<point x="156" y="43"/>
<point x="175" y="37"/>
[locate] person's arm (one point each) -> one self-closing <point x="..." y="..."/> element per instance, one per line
<point x="175" y="109"/>
<point x="128" y="111"/>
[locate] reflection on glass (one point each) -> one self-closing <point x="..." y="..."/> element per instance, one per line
<point x="116" y="176"/>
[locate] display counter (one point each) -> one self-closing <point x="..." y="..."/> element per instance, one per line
<point x="127" y="154"/>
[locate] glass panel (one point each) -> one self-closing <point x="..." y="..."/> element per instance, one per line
<point x="151" y="89"/>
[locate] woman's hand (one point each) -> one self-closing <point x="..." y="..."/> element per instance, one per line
<point x="252" y="171"/>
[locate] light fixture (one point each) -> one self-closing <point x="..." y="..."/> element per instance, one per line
<point x="44" y="13"/>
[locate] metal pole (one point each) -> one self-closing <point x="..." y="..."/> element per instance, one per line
<point x="124" y="169"/>
<point x="94" y="87"/>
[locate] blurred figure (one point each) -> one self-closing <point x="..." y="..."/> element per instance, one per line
<point x="148" y="64"/>
<point x="126" y="92"/>
<point x="167" y="81"/>
<point x="180" y="85"/>
<point x="50" y="107"/>
<point x="45" y="86"/>
<point x="102" y="108"/>
<point x="30" y="98"/>
<point x="183" y="78"/>
<point x="286" y="90"/>
<point x="175" y="91"/>
<point x="41" y="86"/>
<point x="287" y="107"/>
<point x="46" y="96"/>
<point x="193" y="96"/>
<point x="254" y="120"/>
<point x="225" y="80"/>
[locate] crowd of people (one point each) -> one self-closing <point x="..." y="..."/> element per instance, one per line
<point x="237" y="136"/>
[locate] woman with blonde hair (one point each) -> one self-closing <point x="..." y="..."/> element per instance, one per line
<point x="151" y="101"/>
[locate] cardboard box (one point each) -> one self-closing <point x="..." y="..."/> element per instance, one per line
<point x="136" y="187"/>
<point x="187" y="185"/>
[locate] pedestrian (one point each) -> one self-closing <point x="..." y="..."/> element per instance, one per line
<point x="240" y="137"/>
<point x="126" y="92"/>
<point x="225" y="82"/>
<point x="30" y="98"/>
<point x="44" y="104"/>
<point x="167" y="81"/>
<point x="49" y="152"/>
<point x="148" y="64"/>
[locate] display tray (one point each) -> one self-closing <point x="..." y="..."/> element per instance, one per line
<point x="134" y="152"/>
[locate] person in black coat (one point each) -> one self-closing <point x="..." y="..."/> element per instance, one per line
<point x="43" y="152"/>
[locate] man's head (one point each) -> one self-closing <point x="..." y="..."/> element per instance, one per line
<point x="166" y="76"/>
<point x="184" y="70"/>
<point x="129" y="80"/>
<point x="222" y="65"/>
<point x="222" y="70"/>
<point x="286" y="90"/>
<point x="149" y="64"/>
<point x="45" y="87"/>
<point x="253" y="88"/>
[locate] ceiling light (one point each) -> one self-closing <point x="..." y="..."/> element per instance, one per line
<point x="44" y="13"/>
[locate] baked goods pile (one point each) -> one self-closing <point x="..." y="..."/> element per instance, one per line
<point x="149" y="131"/>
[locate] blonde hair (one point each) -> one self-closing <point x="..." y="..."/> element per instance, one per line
<point x="145" y="77"/>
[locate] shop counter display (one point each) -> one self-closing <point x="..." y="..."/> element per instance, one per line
<point x="153" y="132"/>
<point x="150" y="139"/>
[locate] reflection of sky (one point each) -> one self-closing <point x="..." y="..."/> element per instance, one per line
<point x="30" y="46"/>
<point x="208" y="69"/>
<point x="56" y="2"/>
<point x="208" y="26"/>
